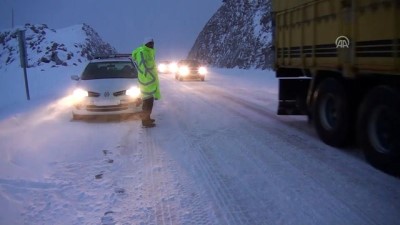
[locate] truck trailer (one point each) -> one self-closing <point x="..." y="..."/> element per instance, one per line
<point x="338" y="62"/>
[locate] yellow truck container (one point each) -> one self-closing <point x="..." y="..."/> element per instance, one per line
<point x="338" y="62"/>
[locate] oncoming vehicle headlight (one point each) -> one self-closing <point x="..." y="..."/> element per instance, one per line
<point x="184" y="70"/>
<point x="133" y="92"/>
<point x="173" y="67"/>
<point x="202" y="70"/>
<point x="79" y="94"/>
<point x="162" y="68"/>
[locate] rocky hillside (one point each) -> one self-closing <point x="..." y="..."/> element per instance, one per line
<point x="237" y="35"/>
<point x="46" y="46"/>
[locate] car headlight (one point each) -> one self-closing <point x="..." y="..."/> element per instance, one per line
<point x="162" y="67"/>
<point x="184" y="70"/>
<point x="173" y="67"/>
<point x="79" y="94"/>
<point x="133" y="92"/>
<point x="202" y="70"/>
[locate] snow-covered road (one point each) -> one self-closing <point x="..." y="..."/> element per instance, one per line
<point x="219" y="155"/>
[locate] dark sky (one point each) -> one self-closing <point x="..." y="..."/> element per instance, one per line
<point x="174" y="24"/>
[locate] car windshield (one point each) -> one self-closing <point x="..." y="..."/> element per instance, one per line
<point x="107" y="70"/>
<point x="189" y="62"/>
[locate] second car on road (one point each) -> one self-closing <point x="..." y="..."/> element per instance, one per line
<point x="190" y="69"/>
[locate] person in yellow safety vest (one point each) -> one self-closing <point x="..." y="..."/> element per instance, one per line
<point x="148" y="79"/>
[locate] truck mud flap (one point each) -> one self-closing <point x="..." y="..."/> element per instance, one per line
<point x="293" y="95"/>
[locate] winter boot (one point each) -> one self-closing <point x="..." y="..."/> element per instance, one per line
<point x="147" y="123"/>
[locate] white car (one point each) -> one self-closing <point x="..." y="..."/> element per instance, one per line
<point x="107" y="86"/>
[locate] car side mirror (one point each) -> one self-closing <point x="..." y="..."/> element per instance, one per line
<point x="75" y="77"/>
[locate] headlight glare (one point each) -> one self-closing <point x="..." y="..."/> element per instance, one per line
<point x="173" y="67"/>
<point x="133" y="92"/>
<point x="80" y="93"/>
<point x="202" y="70"/>
<point x="162" y="68"/>
<point x="184" y="70"/>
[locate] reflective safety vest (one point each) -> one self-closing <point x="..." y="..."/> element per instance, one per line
<point x="148" y="77"/>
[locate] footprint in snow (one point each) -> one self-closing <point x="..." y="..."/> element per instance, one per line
<point x="107" y="152"/>
<point x="119" y="190"/>
<point x="99" y="176"/>
<point x="107" y="219"/>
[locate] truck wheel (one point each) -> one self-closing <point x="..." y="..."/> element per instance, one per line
<point x="332" y="114"/>
<point x="378" y="128"/>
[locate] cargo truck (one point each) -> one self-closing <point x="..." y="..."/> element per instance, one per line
<point x="338" y="62"/>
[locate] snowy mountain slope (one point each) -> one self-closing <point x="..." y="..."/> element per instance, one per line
<point x="67" y="46"/>
<point x="238" y="35"/>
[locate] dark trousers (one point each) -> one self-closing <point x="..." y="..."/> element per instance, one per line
<point x="147" y="108"/>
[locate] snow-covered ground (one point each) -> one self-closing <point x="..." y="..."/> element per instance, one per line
<point x="219" y="155"/>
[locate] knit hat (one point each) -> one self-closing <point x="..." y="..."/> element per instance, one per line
<point x="147" y="40"/>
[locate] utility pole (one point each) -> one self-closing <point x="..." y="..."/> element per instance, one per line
<point x="23" y="58"/>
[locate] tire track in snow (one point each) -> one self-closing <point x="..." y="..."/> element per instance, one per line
<point x="225" y="197"/>
<point x="158" y="175"/>
<point x="225" y="205"/>
<point x="232" y="160"/>
<point x="274" y="196"/>
<point x="228" y="205"/>
<point x="311" y="181"/>
<point x="221" y="192"/>
<point x="158" y="192"/>
<point x="332" y="163"/>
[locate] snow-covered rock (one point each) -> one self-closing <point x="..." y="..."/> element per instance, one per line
<point x="237" y="35"/>
<point x="46" y="46"/>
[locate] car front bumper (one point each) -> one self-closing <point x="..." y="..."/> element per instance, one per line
<point x="88" y="108"/>
<point x="192" y="75"/>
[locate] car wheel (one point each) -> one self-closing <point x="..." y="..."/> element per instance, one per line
<point x="378" y="128"/>
<point x="332" y="114"/>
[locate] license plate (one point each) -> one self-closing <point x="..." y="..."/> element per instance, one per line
<point x="106" y="102"/>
